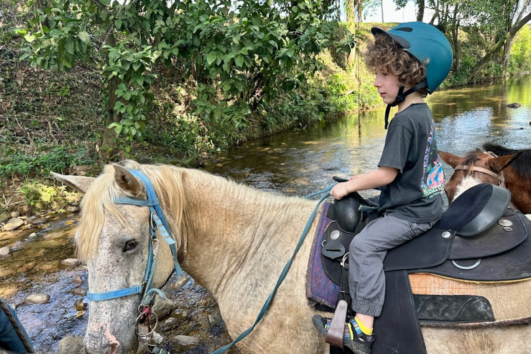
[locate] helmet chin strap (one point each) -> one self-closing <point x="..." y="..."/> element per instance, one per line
<point x="401" y="97"/>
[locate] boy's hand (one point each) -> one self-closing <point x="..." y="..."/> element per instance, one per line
<point x="339" y="191"/>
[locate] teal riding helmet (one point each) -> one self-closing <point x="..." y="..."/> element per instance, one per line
<point x="426" y="43"/>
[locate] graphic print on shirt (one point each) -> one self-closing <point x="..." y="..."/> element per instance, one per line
<point x="432" y="176"/>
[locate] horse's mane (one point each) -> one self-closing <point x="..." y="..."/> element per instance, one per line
<point x="168" y="183"/>
<point x="522" y="164"/>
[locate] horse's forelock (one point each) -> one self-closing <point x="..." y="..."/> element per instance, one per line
<point x="95" y="202"/>
<point x="470" y="159"/>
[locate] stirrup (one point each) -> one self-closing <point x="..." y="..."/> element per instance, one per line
<point x="336" y="331"/>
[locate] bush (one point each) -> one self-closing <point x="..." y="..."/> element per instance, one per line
<point x="57" y="158"/>
<point x="39" y="196"/>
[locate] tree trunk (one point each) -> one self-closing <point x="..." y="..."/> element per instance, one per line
<point x="109" y="143"/>
<point x="455" y="38"/>
<point x="420" y="14"/>
<point x="507" y="56"/>
<point x="349" y="9"/>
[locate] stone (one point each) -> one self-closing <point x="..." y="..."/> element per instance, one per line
<point x="32" y="235"/>
<point x="4" y="218"/>
<point x="77" y="280"/>
<point x="72" y="209"/>
<point x="71" y="345"/>
<point x="38" y="221"/>
<point x="180" y="314"/>
<point x="80" y="305"/>
<point x="4" y="251"/>
<point x="14" y="214"/>
<point x="215" y="318"/>
<point x="71" y="262"/>
<point x="157" y="338"/>
<point x="185" y="341"/>
<point x="183" y="279"/>
<point x="514" y="105"/>
<point x="13" y="224"/>
<point x="37" y="299"/>
<point x="168" y="324"/>
<point x="78" y="291"/>
<point x="162" y="307"/>
<point x="27" y="267"/>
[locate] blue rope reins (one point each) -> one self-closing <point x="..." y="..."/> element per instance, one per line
<point x="244" y="334"/>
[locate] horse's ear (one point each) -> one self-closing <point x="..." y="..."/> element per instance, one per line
<point x="450" y="159"/>
<point x="79" y="183"/>
<point x="497" y="164"/>
<point x="127" y="182"/>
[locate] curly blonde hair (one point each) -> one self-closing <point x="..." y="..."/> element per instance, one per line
<point x="387" y="55"/>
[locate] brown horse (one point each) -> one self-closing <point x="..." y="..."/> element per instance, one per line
<point x="501" y="166"/>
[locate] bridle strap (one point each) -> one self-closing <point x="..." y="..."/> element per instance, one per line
<point x="478" y="169"/>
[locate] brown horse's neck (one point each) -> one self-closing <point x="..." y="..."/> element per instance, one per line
<point x="520" y="190"/>
<point x="229" y="233"/>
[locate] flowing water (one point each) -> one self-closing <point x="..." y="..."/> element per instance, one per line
<point x="292" y="163"/>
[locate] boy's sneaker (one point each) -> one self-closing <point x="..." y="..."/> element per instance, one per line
<point x="353" y="338"/>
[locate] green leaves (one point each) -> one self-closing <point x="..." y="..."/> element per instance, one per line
<point x="237" y="53"/>
<point x="84" y="36"/>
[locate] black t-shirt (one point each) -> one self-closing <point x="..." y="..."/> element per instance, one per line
<point x="410" y="147"/>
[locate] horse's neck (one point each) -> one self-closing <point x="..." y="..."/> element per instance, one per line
<point x="229" y="236"/>
<point x="520" y="189"/>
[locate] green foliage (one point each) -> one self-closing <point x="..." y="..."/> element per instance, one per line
<point x="39" y="196"/>
<point x="57" y="159"/>
<point x="521" y="52"/>
<point x="237" y="53"/>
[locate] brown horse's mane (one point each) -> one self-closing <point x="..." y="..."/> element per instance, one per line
<point x="522" y="164"/>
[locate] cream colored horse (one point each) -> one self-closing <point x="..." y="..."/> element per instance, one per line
<point x="233" y="240"/>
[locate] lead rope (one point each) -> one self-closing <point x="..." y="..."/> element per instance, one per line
<point x="326" y="193"/>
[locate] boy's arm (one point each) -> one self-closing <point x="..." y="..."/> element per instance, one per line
<point x="380" y="177"/>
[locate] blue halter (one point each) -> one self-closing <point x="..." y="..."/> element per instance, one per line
<point x="158" y="221"/>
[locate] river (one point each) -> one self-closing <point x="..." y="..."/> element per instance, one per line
<point x="292" y="163"/>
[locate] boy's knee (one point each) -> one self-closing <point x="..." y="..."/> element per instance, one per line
<point x="357" y="245"/>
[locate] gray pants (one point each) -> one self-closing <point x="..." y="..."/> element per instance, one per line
<point x="366" y="255"/>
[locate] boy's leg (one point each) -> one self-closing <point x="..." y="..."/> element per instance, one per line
<point x="366" y="277"/>
<point x="366" y="254"/>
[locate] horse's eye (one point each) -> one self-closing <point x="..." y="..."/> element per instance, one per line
<point x="130" y="245"/>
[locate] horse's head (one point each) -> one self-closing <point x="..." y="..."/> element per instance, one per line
<point x="114" y="240"/>
<point x="474" y="168"/>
